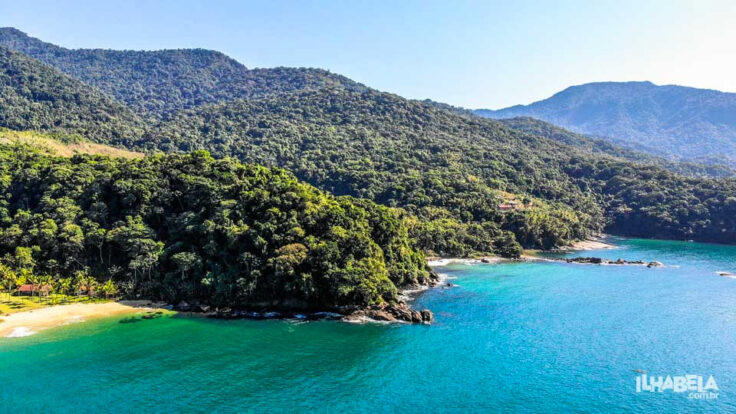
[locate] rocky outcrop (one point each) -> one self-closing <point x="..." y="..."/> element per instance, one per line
<point x="598" y="260"/>
<point x="385" y="312"/>
<point x="400" y="312"/>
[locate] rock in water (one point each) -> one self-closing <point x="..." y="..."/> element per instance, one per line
<point x="384" y="312"/>
<point x="427" y="316"/>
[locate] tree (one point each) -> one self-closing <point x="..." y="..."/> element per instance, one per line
<point x="8" y="278"/>
<point x="109" y="289"/>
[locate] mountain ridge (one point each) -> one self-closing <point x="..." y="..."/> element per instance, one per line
<point x="674" y="121"/>
<point x="160" y="82"/>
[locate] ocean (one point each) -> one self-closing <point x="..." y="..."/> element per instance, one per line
<point x="512" y="337"/>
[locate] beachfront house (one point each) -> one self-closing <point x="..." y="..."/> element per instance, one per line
<point x="30" y="290"/>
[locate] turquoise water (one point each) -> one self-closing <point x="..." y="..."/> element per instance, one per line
<point x="528" y="337"/>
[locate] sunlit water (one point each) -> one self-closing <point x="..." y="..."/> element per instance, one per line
<point x="533" y="337"/>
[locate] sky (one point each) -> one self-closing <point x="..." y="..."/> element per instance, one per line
<point x="475" y="54"/>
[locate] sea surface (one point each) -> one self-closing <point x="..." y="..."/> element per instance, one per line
<point x="512" y="337"/>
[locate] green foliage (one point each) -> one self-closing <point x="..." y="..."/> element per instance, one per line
<point x="192" y="227"/>
<point x="447" y="170"/>
<point x="159" y="83"/>
<point x="34" y="96"/>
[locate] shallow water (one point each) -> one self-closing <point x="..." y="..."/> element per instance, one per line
<point x="533" y="337"/>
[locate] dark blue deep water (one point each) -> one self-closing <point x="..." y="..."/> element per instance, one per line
<point x="514" y="337"/>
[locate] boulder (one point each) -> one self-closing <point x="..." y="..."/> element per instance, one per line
<point x="655" y="264"/>
<point x="381" y="315"/>
<point x="183" y="306"/>
<point x="427" y="316"/>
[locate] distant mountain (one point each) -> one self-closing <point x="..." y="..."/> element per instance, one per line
<point x="162" y="82"/>
<point x="603" y="147"/>
<point x="673" y="121"/>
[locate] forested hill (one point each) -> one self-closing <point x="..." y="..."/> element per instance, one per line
<point x="604" y="147"/>
<point x="670" y="120"/>
<point x="162" y="82"/>
<point x="438" y="163"/>
<point x="35" y="96"/>
<point x="188" y="227"/>
<point x="470" y="185"/>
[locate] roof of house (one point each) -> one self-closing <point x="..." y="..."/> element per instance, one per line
<point x="33" y="288"/>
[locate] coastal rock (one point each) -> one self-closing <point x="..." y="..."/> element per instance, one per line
<point x="598" y="260"/>
<point x="400" y="312"/>
<point x="382" y="316"/>
<point x="327" y="315"/>
<point x="591" y="260"/>
<point x="427" y="316"/>
<point x="183" y="306"/>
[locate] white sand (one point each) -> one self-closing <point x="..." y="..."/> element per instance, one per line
<point x="591" y="244"/>
<point x="27" y="323"/>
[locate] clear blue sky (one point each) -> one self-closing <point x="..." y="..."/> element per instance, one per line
<point x="470" y="53"/>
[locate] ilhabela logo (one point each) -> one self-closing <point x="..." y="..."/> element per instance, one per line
<point x="696" y="387"/>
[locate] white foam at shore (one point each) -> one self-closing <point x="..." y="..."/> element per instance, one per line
<point x="449" y="260"/>
<point x="73" y="319"/>
<point x="406" y="294"/>
<point x="20" y="332"/>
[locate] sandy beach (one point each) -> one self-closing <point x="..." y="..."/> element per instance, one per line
<point x="444" y="261"/>
<point x="29" y="322"/>
<point x="590" y="244"/>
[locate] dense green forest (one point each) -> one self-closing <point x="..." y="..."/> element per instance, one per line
<point x="446" y="169"/>
<point x="454" y="174"/>
<point x="413" y="154"/>
<point x="159" y="83"/>
<point x="178" y="227"/>
<point x="34" y="96"/>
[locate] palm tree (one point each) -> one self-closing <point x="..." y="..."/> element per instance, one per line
<point x="109" y="289"/>
<point x="64" y="286"/>
<point x="33" y="280"/>
<point x="92" y="285"/>
<point x="80" y="282"/>
<point x="8" y="279"/>
<point x="45" y="284"/>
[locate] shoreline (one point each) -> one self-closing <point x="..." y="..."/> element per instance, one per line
<point x="593" y="243"/>
<point x="444" y="261"/>
<point x="27" y="323"/>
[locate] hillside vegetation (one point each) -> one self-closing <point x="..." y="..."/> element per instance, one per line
<point x="454" y="174"/>
<point x="61" y="145"/>
<point x="34" y="96"/>
<point x="190" y="227"/>
<point x="428" y="160"/>
<point x="159" y="83"/>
